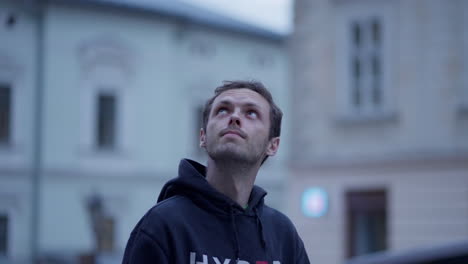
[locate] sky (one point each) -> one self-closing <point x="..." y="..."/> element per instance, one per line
<point x="272" y="14"/>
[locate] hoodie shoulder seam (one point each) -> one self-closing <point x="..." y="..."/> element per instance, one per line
<point x="167" y="200"/>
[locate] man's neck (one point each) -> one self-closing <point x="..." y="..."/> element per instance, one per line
<point x="233" y="180"/>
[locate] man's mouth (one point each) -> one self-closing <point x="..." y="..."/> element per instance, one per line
<point x="233" y="132"/>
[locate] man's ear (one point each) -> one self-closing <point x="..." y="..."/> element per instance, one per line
<point x="273" y="146"/>
<point x="202" y="138"/>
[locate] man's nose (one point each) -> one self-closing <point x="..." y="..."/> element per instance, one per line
<point x="235" y="120"/>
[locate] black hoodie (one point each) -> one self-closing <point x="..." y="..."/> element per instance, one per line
<point x="193" y="223"/>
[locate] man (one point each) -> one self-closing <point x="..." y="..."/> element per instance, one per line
<point x="215" y="214"/>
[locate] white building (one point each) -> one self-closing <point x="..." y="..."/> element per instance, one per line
<point x="104" y="98"/>
<point x="380" y="100"/>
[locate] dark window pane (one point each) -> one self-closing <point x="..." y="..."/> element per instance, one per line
<point x="375" y="24"/>
<point x="356" y="34"/>
<point x="375" y="65"/>
<point x="356" y="81"/>
<point x="3" y="234"/>
<point x="366" y="222"/>
<point x="376" y="80"/>
<point x="5" y="113"/>
<point x="376" y="93"/>
<point x="106" y="120"/>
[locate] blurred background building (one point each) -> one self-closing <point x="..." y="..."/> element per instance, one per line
<point x="379" y="157"/>
<point x="99" y="100"/>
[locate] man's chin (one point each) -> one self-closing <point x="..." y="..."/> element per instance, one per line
<point x="229" y="155"/>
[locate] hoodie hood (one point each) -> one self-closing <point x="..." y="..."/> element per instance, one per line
<point x="191" y="183"/>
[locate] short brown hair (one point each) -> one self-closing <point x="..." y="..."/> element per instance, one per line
<point x="275" y="112"/>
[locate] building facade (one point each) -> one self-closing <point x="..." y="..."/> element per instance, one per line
<point x="99" y="100"/>
<point x="379" y="98"/>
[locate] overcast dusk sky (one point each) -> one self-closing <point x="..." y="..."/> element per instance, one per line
<point x="271" y="14"/>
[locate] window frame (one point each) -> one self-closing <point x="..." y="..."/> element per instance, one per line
<point x="9" y="136"/>
<point x="8" y="235"/>
<point x="97" y="118"/>
<point x="11" y="73"/>
<point x="8" y="206"/>
<point x="104" y="79"/>
<point x="463" y="103"/>
<point x="348" y="13"/>
<point x="375" y="198"/>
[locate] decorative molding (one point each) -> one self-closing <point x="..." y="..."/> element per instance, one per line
<point x="108" y="51"/>
<point x="261" y="59"/>
<point x="202" y="48"/>
<point x="9" y="68"/>
<point x="10" y="200"/>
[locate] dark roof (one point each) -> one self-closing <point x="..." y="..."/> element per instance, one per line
<point x="191" y="14"/>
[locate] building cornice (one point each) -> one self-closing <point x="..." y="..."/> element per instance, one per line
<point x="95" y="175"/>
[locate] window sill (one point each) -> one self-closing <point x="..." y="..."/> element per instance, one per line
<point x="358" y="119"/>
<point x="104" y="152"/>
<point x="8" y="147"/>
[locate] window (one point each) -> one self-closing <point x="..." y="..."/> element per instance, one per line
<point x="261" y="60"/>
<point x="365" y="64"/>
<point x="106" y="78"/>
<point x="464" y="95"/>
<point x="106" y="121"/>
<point x="5" y="113"/>
<point x="3" y="234"/>
<point x="364" y="60"/>
<point x="366" y="222"/>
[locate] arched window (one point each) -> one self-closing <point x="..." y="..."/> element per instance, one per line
<point x="9" y="104"/>
<point x="106" y="77"/>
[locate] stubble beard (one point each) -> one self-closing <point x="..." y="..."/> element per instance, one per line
<point x="231" y="154"/>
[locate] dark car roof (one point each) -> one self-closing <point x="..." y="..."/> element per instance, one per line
<point x="449" y="253"/>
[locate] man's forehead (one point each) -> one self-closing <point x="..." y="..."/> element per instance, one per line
<point x="242" y="95"/>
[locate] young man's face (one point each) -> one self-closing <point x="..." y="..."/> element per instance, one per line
<point x="238" y="128"/>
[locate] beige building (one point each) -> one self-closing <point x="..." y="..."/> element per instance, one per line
<point x="380" y="97"/>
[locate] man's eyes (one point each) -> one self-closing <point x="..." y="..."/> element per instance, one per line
<point x="225" y="110"/>
<point x="252" y="113"/>
<point x="221" y="110"/>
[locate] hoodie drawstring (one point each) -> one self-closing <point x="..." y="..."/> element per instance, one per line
<point x="236" y="237"/>
<point x="260" y="229"/>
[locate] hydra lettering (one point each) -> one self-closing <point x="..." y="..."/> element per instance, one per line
<point x="193" y="260"/>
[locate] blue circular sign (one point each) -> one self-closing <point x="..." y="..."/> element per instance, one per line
<point x="314" y="202"/>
